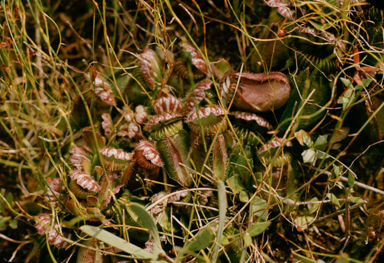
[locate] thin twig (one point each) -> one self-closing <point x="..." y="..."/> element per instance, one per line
<point x="342" y="211"/>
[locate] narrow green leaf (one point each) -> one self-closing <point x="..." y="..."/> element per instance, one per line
<point x="2" y="191"/>
<point x="116" y="241"/>
<point x="1" y="208"/>
<point x="333" y="199"/>
<point x="348" y="98"/>
<point x="346" y="82"/>
<point x="355" y="199"/>
<point x="247" y="240"/>
<point x="222" y="213"/>
<point x="146" y="221"/>
<point x="165" y="221"/>
<point x="244" y="255"/>
<point x="337" y="169"/>
<point x="351" y="179"/>
<point x="313" y="207"/>
<point x="320" y="26"/>
<point x="367" y="82"/>
<point x="304" y="259"/>
<point x="359" y="88"/>
<point x="9" y="199"/>
<point x="258" y="228"/>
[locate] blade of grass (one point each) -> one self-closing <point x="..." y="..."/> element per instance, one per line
<point x="116" y="241"/>
<point x="222" y="213"/>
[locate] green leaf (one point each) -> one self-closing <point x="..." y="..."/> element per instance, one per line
<point x="355" y="199"/>
<point x="321" y="155"/>
<point x="9" y="199"/>
<point x="224" y="241"/>
<point x="259" y="204"/>
<point x="87" y="166"/>
<point x="303" y="221"/>
<point x="348" y="98"/>
<point x="308" y="155"/>
<point x="201" y="240"/>
<point x="310" y="113"/>
<point x="13" y="224"/>
<point x="367" y="82"/>
<point x="220" y="67"/>
<point x="235" y="184"/>
<point x="333" y="2"/>
<point x="333" y="199"/>
<point x="1" y="207"/>
<point x="321" y="142"/>
<point x="258" y="228"/>
<point x="4" y="222"/>
<point x="359" y="88"/>
<point x="4" y="219"/>
<point x="165" y="221"/>
<point x="351" y="179"/>
<point x="320" y="26"/>
<point x="241" y="164"/>
<point x="342" y="100"/>
<point x="313" y="207"/>
<point x="349" y="95"/>
<point x="95" y="142"/>
<point x="243" y="196"/>
<point x="346" y="82"/>
<point x="222" y="213"/>
<point x="307" y="140"/>
<point x="116" y="242"/>
<point x="247" y="240"/>
<point x="146" y="221"/>
<point x="258" y="175"/>
<point x="337" y="169"/>
<point x="303" y="258"/>
<point x="344" y="258"/>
